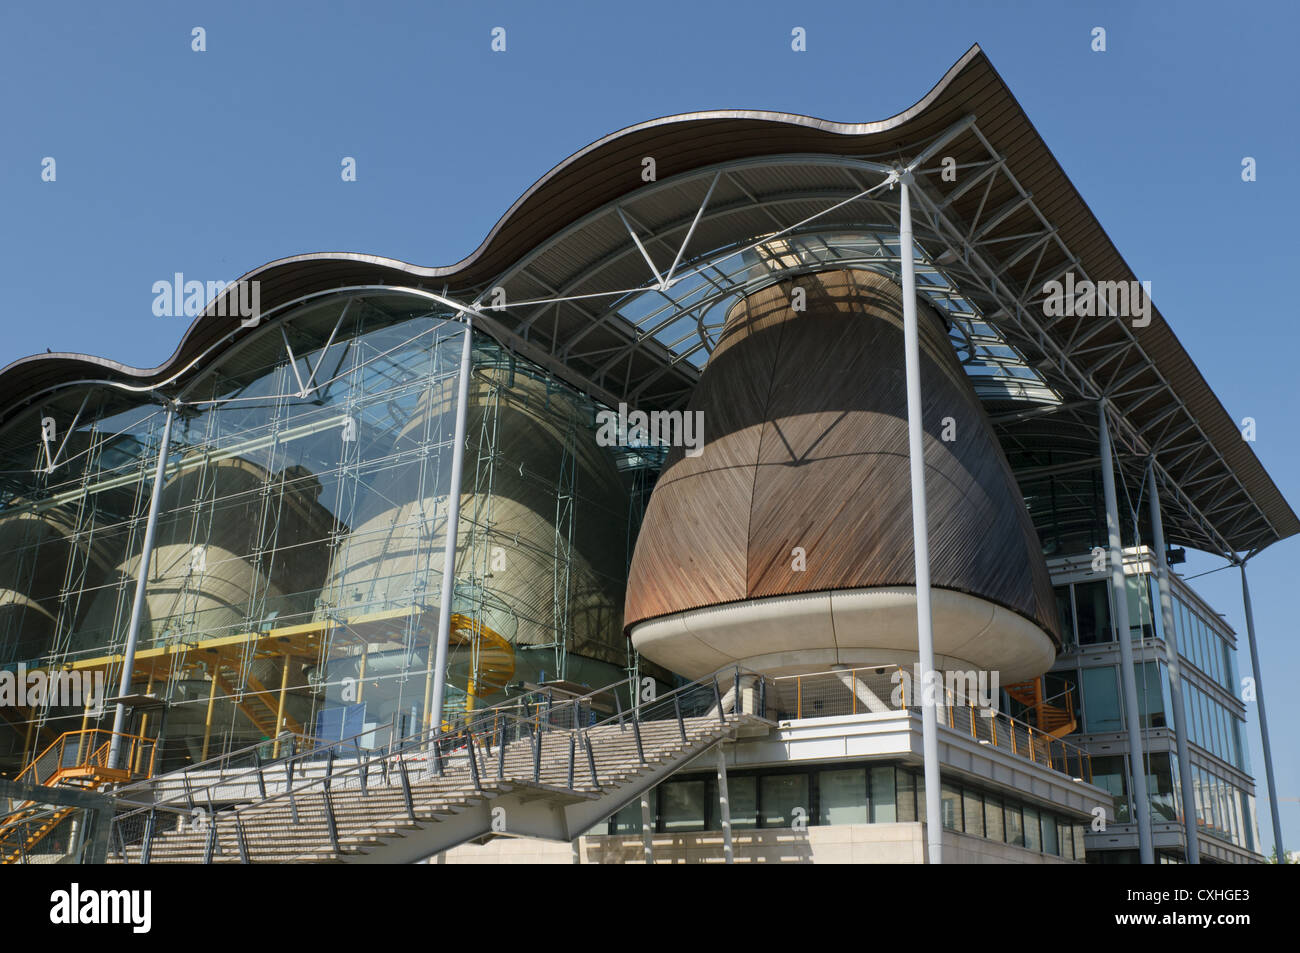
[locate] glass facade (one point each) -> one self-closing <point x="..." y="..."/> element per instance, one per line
<point x="296" y="575"/>
<point x="1214" y="722"/>
<point x="849" y="794"/>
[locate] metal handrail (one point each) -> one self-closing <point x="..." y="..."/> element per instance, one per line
<point x="434" y="740"/>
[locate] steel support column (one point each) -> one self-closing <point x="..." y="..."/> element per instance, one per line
<point x="647" y="829"/>
<point x="1263" y="716"/>
<point x="930" y="697"/>
<point x="141" y="581"/>
<point x="724" y="808"/>
<point x="451" y="531"/>
<point x="1174" y="665"/>
<point x="1136" y="769"/>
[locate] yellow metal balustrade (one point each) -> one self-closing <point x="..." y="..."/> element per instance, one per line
<point x="75" y="759"/>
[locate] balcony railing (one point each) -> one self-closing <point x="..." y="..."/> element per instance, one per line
<point x="881" y="688"/>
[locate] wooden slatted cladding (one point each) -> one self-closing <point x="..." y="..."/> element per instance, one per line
<point x="805" y="426"/>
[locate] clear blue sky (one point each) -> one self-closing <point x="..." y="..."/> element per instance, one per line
<point x="212" y="164"/>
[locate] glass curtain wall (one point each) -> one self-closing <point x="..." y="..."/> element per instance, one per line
<point x="296" y="576"/>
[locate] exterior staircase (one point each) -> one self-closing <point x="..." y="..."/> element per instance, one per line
<point x="508" y="776"/>
<point x="75" y="759"/>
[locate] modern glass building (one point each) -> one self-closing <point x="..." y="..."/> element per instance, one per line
<point x="1085" y="679"/>
<point x="263" y="541"/>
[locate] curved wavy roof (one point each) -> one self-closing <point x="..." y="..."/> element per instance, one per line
<point x="544" y="229"/>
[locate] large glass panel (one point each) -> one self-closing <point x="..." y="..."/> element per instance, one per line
<point x="843" y="796"/>
<point x="1150" y="695"/>
<point x="1101" y="699"/>
<point x="1065" y="614"/>
<point x="743" y="793"/>
<point x="300" y="535"/>
<point x="906" y="794"/>
<point x="1051" y="844"/>
<point x="1160" y="787"/>
<point x="1139" y="607"/>
<point x="1092" y="611"/>
<point x="1108" y="772"/>
<point x="972" y="803"/>
<point x="883" y="807"/>
<point x="994" y="827"/>
<point x="682" y="806"/>
<point x="950" y="803"/>
<point x="1014" y="825"/>
<point x="782" y="795"/>
<point x="627" y="820"/>
<point x="1033" y="835"/>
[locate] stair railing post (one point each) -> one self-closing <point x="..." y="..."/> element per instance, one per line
<point x="636" y="731"/>
<point x="121" y="843"/>
<point x="473" y="761"/>
<point x="406" y="789"/>
<point x="330" y="820"/>
<point x="717" y="700"/>
<point x="146" y="849"/>
<point x="618" y="706"/>
<point x="591" y="761"/>
<point x="210" y="846"/>
<point x="288" y="786"/>
<point x="261" y="781"/>
<point x="239" y="837"/>
<point x="573" y="743"/>
<point x="537" y="755"/>
<point x="677" y="708"/>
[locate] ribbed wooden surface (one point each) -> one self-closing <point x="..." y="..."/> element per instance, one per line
<point x="805" y="421"/>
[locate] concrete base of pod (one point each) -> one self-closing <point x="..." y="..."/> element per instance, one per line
<point x="810" y="632"/>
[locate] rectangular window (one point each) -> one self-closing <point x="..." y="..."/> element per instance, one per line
<point x="1051" y="845"/>
<point x="1109" y="774"/>
<point x="1065" y="836"/>
<point x="1160" y="787"/>
<point x="1151" y="709"/>
<point x="883" y="807"/>
<point x="842" y="796"/>
<point x="1014" y="825"/>
<point x="1033" y="833"/>
<point x="993" y="827"/>
<point x="743" y="792"/>
<point x="1139" y="609"/>
<point x="950" y="805"/>
<point x="1101" y="699"/>
<point x="1092" y="612"/>
<point x="1186" y="639"/>
<point x="972" y="804"/>
<point x="681" y="806"/>
<point x="782" y="794"/>
<point x="1065" y="614"/>
<point x="906" y="795"/>
<point x="628" y="820"/>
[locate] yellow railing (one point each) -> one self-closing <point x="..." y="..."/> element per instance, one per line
<point x="84" y="754"/>
<point x="889" y="688"/>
